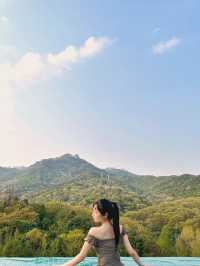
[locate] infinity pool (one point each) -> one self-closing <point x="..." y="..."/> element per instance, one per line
<point x="92" y="261"/>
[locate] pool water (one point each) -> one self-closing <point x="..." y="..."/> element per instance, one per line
<point x="92" y="261"/>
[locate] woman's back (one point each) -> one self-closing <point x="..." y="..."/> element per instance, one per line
<point x="106" y="251"/>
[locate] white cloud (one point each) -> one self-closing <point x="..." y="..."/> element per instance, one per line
<point x="32" y="65"/>
<point x="8" y="53"/>
<point x="162" y="47"/>
<point x="3" y="19"/>
<point x="72" y="54"/>
<point x="93" y="46"/>
<point x="16" y="137"/>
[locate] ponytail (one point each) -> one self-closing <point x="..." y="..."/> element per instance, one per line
<point x="116" y="222"/>
<point x="111" y="208"/>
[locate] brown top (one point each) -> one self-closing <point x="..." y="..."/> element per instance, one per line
<point x="107" y="254"/>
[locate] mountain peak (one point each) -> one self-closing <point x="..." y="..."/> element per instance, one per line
<point x="69" y="155"/>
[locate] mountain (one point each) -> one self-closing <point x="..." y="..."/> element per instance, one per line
<point x="175" y="186"/>
<point x="8" y="173"/>
<point x="75" y="180"/>
<point x="55" y="171"/>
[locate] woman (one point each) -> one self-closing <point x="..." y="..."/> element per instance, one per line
<point x="104" y="239"/>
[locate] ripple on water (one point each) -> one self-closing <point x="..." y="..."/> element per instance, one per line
<point x="92" y="261"/>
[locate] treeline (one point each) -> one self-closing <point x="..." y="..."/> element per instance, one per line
<point x="58" y="229"/>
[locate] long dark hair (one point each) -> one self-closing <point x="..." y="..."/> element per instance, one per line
<point x="111" y="207"/>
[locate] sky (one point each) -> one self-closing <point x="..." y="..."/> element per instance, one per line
<point x="116" y="82"/>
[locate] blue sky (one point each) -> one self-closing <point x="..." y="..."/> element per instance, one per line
<point x="113" y="81"/>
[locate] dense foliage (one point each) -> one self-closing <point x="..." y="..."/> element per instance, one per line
<point x="171" y="228"/>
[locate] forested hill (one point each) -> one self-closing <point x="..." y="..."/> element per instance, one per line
<point x="45" y="208"/>
<point x="75" y="180"/>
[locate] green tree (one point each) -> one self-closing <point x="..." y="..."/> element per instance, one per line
<point x="166" y="241"/>
<point x="184" y="240"/>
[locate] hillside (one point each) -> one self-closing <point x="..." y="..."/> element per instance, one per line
<point x="74" y="180"/>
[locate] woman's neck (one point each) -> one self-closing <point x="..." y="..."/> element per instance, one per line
<point x="106" y="223"/>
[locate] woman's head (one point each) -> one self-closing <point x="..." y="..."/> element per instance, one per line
<point x="105" y="209"/>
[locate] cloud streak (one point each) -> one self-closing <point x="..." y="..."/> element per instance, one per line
<point x="168" y="45"/>
<point x="32" y="65"/>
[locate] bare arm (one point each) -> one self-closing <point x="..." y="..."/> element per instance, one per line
<point x="81" y="255"/>
<point x="131" y="251"/>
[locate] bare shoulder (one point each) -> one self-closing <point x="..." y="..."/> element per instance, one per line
<point x="93" y="230"/>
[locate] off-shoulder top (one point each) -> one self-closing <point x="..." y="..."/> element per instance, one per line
<point x="105" y="249"/>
